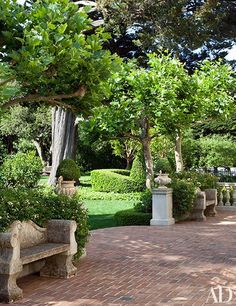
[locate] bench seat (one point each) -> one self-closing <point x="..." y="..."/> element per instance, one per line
<point x="41" y="251"/>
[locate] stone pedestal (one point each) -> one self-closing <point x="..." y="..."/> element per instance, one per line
<point x="162" y="206"/>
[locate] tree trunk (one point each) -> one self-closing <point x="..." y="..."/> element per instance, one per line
<point x="146" y="141"/>
<point x="128" y="163"/>
<point x="40" y="151"/>
<point x="64" y="132"/>
<point x="178" y="153"/>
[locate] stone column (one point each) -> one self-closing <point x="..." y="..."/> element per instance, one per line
<point x="162" y="206"/>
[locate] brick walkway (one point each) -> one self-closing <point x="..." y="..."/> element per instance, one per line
<point x="174" y="265"/>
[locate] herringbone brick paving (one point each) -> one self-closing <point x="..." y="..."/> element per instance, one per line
<point x="141" y="265"/>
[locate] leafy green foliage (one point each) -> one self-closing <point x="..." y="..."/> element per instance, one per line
<point x="162" y="164"/>
<point x="21" y="170"/>
<point x="39" y="206"/>
<point x="8" y="87"/>
<point x="125" y="148"/>
<point x="217" y="150"/>
<point x="3" y="152"/>
<point x="137" y="173"/>
<point x="132" y="217"/>
<point x="87" y="193"/>
<point x="69" y="170"/>
<point x="109" y="180"/>
<point x="183" y="196"/>
<point x="56" y="56"/>
<point x="144" y="204"/>
<point x="201" y="180"/>
<point x="180" y="25"/>
<point x="166" y="97"/>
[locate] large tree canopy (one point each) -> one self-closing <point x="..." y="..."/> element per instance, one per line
<point x="57" y="58"/>
<point x="56" y="61"/>
<point x="194" y="29"/>
<point x="164" y="98"/>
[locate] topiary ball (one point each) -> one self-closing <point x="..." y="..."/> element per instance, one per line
<point x="69" y="170"/>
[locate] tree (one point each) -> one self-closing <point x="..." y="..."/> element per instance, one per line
<point x="217" y="150"/>
<point x="125" y="148"/>
<point x="32" y="124"/>
<point x="164" y="99"/>
<point x="193" y="29"/>
<point x="59" y="64"/>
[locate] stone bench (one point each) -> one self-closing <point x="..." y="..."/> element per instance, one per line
<point x="26" y="243"/>
<point x="204" y="205"/>
<point x="47" y="170"/>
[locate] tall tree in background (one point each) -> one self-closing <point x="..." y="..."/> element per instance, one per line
<point x="193" y="29"/>
<point x="57" y="63"/>
<point x="30" y="125"/>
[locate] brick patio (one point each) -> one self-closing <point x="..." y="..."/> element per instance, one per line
<point x="174" y="265"/>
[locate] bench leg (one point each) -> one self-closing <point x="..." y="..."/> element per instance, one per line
<point x="59" y="266"/>
<point x="197" y="215"/>
<point x="9" y="291"/>
<point x="210" y="211"/>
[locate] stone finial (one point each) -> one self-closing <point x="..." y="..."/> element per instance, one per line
<point x="162" y="179"/>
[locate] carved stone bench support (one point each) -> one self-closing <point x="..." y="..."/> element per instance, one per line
<point x="204" y="205"/>
<point x="199" y="206"/>
<point x="26" y="243"/>
<point x="10" y="265"/>
<point x="61" y="231"/>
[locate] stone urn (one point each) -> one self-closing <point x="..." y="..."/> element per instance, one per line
<point x="66" y="187"/>
<point x="162" y="179"/>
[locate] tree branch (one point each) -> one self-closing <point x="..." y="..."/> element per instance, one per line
<point x="128" y="135"/>
<point x="2" y="83"/>
<point x="54" y="100"/>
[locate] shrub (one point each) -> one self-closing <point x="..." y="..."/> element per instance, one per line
<point x="162" y="164"/>
<point x="144" y="203"/>
<point x="111" y="180"/>
<point x="87" y="193"/>
<point x="21" y="170"/>
<point x="183" y="196"/>
<point x="132" y="217"/>
<point x="138" y="172"/>
<point x="119" y="180"/>
<point x="202" y="180"/>
<point x="39" y="206"/>
<point x="69" y="170"/>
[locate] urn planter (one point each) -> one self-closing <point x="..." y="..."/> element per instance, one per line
<point x="66" y="187"/>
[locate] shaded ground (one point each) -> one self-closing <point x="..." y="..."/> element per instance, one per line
<point x="140" y="265"/>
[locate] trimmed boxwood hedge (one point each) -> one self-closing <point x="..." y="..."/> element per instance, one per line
<point x="132" y="217"/>
<point x="113" y="180"/>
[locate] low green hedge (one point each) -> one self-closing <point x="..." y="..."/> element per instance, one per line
<point x="113" y="180"/>
<point x="40" y="205"/>
<point x="132" y="217"/>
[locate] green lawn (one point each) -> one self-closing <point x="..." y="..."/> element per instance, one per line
<point x="43" y="180"/>
<point x="101" y="205"/>
<point x="101" y="212"/>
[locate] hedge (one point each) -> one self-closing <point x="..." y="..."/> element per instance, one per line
<point x="113" y="180"/>
<point x="132" y="217"/>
